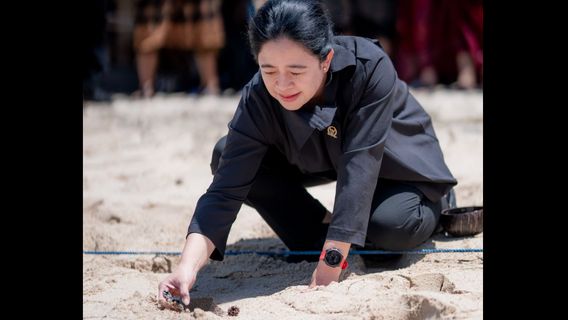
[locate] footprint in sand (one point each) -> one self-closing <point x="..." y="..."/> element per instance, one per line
<point x="95" y="240"/>
<point x="418" y="307"/>
<point x="157" y="264"/>
<point x="431" y="282"/>
<point x="113" y="219"/>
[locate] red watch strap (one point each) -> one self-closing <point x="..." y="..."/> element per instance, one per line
<point x="322" y="255"/>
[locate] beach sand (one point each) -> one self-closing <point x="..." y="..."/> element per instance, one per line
<point x="146" y="163"/>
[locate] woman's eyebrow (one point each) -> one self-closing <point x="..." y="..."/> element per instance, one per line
<point x="295" y="66"/>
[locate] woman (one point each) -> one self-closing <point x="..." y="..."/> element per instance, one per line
<point x="321" y="108"/>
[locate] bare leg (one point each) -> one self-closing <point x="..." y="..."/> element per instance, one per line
<point x="429" y="76"/>
<point x="146" y="64"/>
<point x="467" y="78"/>
<point x="207" y="66"/>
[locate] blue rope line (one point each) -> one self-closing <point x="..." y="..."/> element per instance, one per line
<point x="285" y="253"/>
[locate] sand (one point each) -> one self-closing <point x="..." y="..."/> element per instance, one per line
<point x="145" y="164"/>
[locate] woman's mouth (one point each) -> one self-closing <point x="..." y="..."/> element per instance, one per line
<point x="290" y="98"/>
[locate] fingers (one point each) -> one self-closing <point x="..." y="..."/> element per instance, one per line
<point x="161" y="288"/>
<point x="313" y="281"/>
<point x="184" y="292"/>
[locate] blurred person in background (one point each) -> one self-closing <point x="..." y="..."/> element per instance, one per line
<point x="440" y="42"/>
<point x="236" y="65"/>
<point x="189" y="25"/>
<point x="374" y="19"/>
<point x="95" y="62"/>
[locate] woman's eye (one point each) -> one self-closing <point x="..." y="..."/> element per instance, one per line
<point x="269" y="73"/>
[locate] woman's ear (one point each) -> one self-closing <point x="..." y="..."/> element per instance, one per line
<point x="327" y="60"/>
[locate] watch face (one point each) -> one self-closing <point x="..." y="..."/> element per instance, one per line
<point x="333" y="257"/>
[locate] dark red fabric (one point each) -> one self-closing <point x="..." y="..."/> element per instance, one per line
<point x="432" y="32"/>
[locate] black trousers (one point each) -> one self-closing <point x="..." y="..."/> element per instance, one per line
<point x="401" y="216"/>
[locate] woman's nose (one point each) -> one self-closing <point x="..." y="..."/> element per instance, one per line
<point x="283" y="82"/>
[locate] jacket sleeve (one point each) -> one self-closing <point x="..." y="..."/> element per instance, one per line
<point x="245" y="148"/>
<point x="365" y="130"/>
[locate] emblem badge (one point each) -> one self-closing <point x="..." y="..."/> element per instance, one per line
<point x="332" y="131"/>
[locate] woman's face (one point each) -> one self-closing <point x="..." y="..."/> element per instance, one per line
<point x="292" y="74"/>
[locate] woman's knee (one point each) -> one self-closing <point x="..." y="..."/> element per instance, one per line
<point x="390" y="233"/>
<point x="217" y="151"/>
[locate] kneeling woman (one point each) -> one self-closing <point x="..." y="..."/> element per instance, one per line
<point x="321" y="108"/>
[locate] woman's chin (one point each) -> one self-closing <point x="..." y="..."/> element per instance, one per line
<point x="291" y="106"/>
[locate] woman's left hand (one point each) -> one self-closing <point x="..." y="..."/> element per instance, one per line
<point x="324" y="275"/>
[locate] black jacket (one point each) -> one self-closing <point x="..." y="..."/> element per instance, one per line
<point x="378" y="129"/>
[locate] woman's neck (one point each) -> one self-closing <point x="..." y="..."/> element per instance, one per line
<point x="318" y="98"/>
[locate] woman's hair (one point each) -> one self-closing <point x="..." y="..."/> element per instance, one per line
<point x="304" y="21"/>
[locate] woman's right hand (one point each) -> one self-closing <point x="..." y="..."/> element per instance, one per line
<point x="178" y="283"/>
<point x="194" y="256"/>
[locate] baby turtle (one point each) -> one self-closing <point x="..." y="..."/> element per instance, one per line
<point x="174" y="299"/>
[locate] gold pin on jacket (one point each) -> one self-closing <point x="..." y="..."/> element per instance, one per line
<point x="332" y="131"/>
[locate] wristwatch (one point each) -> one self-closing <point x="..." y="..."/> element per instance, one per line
<point x="332" y="257"/>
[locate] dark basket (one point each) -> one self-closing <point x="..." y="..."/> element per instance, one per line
<point x="462" y="221"/>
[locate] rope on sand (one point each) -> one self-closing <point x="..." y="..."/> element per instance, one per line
<point x="288" y="253"/>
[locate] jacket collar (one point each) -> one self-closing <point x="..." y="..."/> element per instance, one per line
<point x="304" y="121"/>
